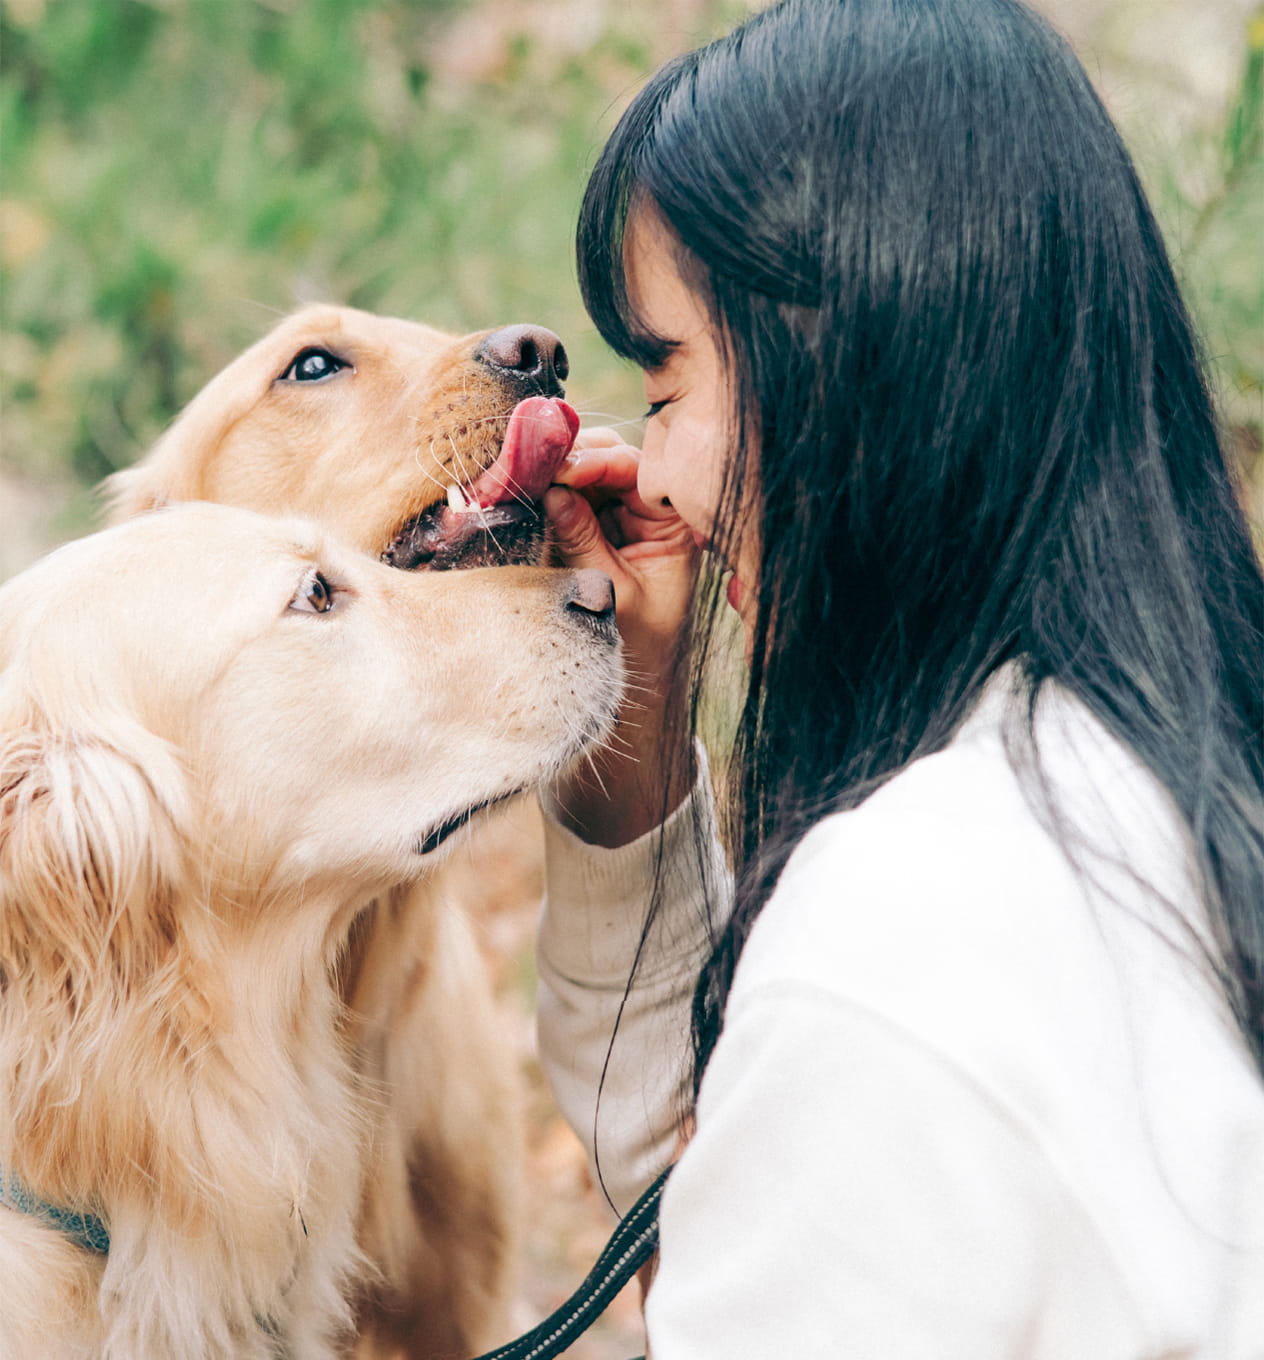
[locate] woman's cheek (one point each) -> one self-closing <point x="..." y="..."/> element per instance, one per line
<point x="700" y="469"/>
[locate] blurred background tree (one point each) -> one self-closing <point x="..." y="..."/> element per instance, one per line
<point x="178" y="172"/>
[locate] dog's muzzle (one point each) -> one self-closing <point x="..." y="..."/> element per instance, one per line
<point x="498" y="519"/>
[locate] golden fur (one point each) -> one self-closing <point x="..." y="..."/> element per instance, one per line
<point x="202" y="783"/>
<point x="362" y="453"/>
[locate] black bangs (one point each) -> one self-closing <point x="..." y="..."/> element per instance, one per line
<point x="969" y="425"/>
<point x="614" y="191"/>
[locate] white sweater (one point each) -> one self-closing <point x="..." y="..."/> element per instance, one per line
<point x="967" y="1103"/>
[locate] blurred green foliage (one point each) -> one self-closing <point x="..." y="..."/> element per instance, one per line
<point x="178" y="172"/>
<point x="1216" y="231"/>
<point x="175" y="175"/>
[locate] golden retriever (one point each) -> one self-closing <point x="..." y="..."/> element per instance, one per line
<point x="220" y="735"/>
<point x="382" y="429"/>
<point x="430" y="451"/>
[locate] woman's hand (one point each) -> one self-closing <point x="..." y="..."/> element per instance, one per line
<point x="650" y="553"/>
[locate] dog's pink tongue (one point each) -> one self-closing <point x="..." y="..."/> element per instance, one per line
<point x="540" y="434"/>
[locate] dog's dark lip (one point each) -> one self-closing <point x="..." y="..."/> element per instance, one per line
<point x="497" y="518"/>
<point x="439" y="539"/>
<point x="435" y="838"/>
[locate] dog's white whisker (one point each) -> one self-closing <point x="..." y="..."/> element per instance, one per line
<point x="440" y="466"/>
<point x="278" y="312"/>
<point x="493" y="419"/>
<point x="596" y="774"/>
<point x="515" y="490"/>
<point x="459" y="460"/>
<point x="612" y="421"/>
<point x="487" y="529"/>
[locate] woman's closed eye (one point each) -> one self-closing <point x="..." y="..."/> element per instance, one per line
<point x="655" y="408"/>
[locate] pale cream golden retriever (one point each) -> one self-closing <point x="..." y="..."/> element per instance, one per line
<point x="432" y="452"/>
<point x="220" y="736"/>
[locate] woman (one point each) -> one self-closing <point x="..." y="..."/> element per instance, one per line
<point x="977" y="1053"/>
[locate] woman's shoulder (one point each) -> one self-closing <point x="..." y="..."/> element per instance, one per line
<point x="949" y="902"/>
<point x="1009" y="836"/>
<point x="1070" y="998"/>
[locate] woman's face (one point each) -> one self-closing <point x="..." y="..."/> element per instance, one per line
<point x="691" y="400"/>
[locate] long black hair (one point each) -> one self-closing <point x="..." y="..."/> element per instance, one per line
<point x="971" y="415"/>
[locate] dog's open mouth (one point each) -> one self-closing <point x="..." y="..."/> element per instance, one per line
<point x="497" y="519"/>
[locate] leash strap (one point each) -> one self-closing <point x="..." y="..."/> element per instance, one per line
<point x="633" y="1242"/>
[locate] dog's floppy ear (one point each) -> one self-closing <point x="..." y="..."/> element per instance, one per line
<point x="177" y="466"/>
<point x="90" y="862"/>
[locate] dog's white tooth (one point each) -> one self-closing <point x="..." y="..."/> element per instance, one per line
<point x="456" y="497"/>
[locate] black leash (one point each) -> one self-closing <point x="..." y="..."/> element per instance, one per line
<point x="633" y="1243"/>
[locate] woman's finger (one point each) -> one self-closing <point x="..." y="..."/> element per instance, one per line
<point x="608" y="467"/>
<point x="577" y="535"/>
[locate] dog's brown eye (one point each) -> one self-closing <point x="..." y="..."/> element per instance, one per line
<point x="314" y="596"/>
<point x="311" y="365"/>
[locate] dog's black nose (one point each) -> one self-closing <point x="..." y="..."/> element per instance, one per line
<point x="530" y="355"/>
<point x="590" y="599"/>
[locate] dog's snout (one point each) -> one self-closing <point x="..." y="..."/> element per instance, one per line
<point x="530" y="355"/>
<point x="589" y="599"/>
